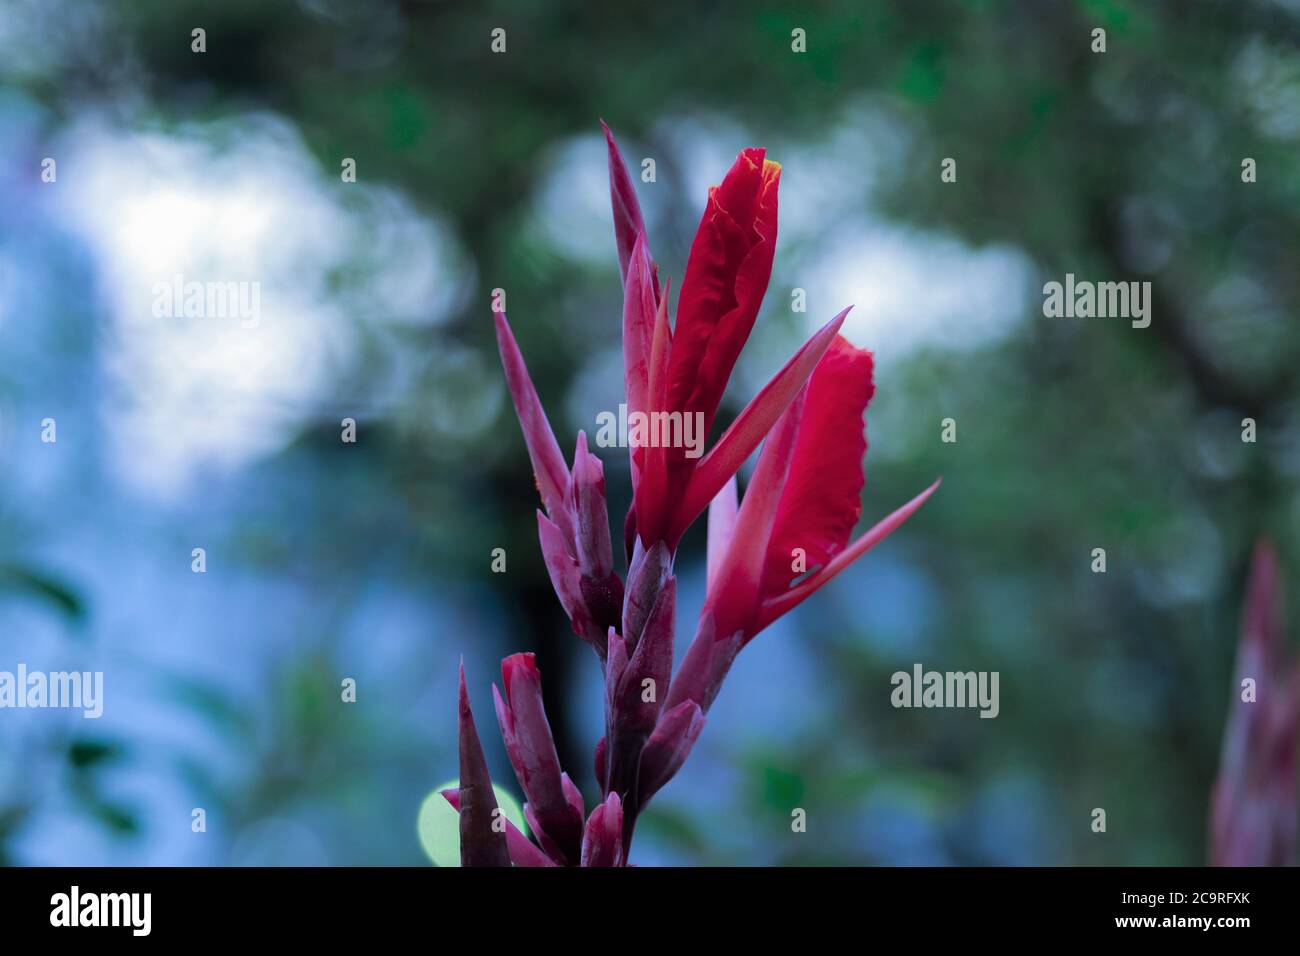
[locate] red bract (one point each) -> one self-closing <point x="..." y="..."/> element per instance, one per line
<point x="1254" y="808"/>
<point x="766" y="555"/>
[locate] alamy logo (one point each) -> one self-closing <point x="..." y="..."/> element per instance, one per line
<point x="179" y="299"/>
<point x="1103" y="300"/>
<point x="923" y="688"/>
<point x="75" y="908"/>
<point x="61" y="689"/>
<point x="651" y="430"/>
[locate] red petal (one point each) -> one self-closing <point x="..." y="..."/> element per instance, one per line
<point x="738" y="582"/>
<point x="751" y="425"/>
<point x="788" y="600"/>
<point x="822" y="497"/>
<point x="726" y="276"/>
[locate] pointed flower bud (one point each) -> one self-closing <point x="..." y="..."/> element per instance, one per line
<point x="531" y="748"/>
<point x="482" y="840"/>
<point x="602" y="843"/>
<point x="600" y="587"/>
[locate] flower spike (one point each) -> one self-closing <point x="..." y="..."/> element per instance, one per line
<point x="767" y="552"/>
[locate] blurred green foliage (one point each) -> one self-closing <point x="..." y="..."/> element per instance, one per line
<point x="1123" y="165"/>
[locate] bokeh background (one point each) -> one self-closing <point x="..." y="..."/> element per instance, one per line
<point x="476" y="171"/>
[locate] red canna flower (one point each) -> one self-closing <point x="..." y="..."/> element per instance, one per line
<point x="683" y="371"/>
<point x="1254" y="806"/>
<point x="796" y="519"/>
<point x="765" y="556"/>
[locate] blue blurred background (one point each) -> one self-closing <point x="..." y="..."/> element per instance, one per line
<point x="475" y="171"/>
